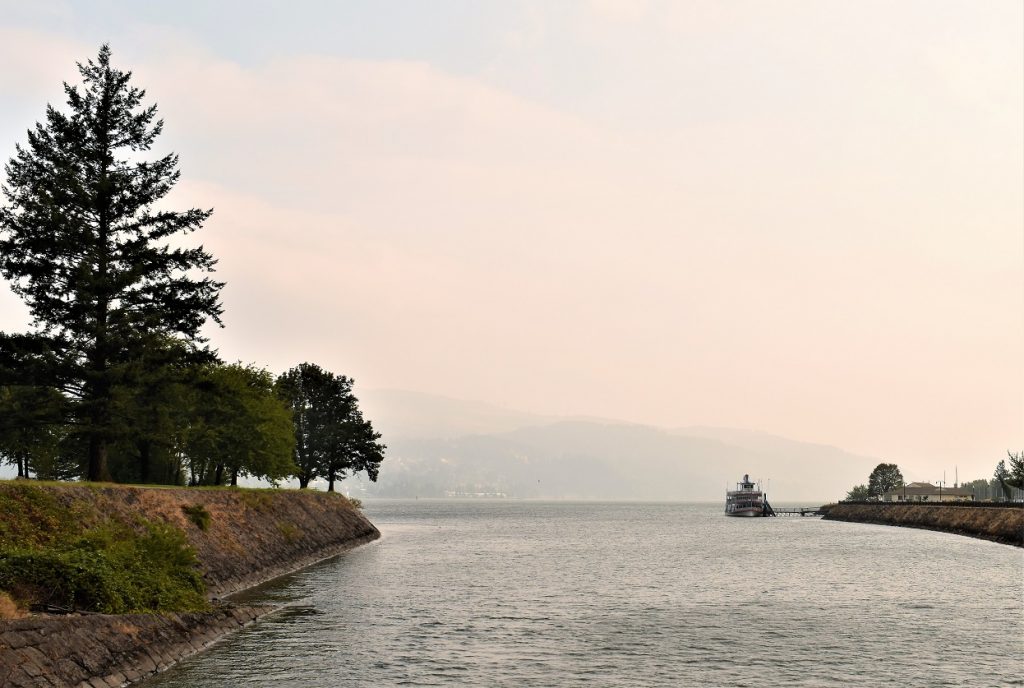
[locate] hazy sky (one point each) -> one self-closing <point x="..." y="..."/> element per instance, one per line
<point x="800" y="217"/>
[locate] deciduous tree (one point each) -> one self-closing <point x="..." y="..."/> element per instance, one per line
<point x="332" y="438"/>
<point x="884" y="478"/>
<point x="240" y="427"/>
<point x="305" y="390"/>
<point x="858" y="494"/>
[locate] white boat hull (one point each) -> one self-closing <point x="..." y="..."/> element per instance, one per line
<point x="746" y="500"/>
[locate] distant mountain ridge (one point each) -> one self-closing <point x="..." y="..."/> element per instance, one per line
<point x="439" y="445"/>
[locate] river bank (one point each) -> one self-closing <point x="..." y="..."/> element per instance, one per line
<point x="1003" y="524"/>
<point x="228" y="539"/>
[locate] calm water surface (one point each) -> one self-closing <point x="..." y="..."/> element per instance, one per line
<point x="524" y="593"/>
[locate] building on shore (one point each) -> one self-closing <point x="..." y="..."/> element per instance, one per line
<point x="926" y="492"/>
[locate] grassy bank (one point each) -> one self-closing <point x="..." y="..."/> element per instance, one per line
<point x="69" y="553"/>
<point x="125" y="549"/>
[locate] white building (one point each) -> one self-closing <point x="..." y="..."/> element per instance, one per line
<point x="926" y="492"/>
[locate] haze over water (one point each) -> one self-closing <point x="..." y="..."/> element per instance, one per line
<point x="530" y="593"/>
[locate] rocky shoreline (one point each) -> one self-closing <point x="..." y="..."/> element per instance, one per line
<point x="104" y="651"/>
<point x="995" y="523"/>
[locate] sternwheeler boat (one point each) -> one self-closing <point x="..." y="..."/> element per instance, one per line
<point x="746" y="500"/>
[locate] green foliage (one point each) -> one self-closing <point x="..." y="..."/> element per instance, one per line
<point x="198" y="514"/>
<point x="156" y="409"/>
<point x="88" y="245"/>
<point x="50" y="553"/>
<point x="288" y="531"/>
<point x="32" y="432"/>
<point x="858" y="494"/>
<point x="257" y="500"/>
<point x="885" y="477"/>
<point x="332" y="438"/>
<point x="1015" y="474"/>
<point x="34" y="517"/>
<point x="304" y="388"/>
<point x="356" y="503"/>
<point x="240" y="427"/>
<point x="111" y="570"/>
<point x="116" y="381"/>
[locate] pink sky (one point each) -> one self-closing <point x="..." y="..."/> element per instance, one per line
<point x="808" y="221"/>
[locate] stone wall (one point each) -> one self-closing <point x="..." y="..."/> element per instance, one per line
<point x="100" y="651"/>
<point x="1000" y="524"/>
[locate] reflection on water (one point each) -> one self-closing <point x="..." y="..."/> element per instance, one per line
<point x="523" y="593"/>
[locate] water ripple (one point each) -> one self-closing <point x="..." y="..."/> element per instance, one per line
<point x="507" y="593"/>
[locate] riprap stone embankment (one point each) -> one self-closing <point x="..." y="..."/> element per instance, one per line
<point x="998" y="523"/>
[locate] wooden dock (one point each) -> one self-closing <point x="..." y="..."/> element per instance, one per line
<point x="797" y="511"/>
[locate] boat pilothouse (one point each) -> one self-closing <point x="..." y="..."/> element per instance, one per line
<point x="746" y="500"/>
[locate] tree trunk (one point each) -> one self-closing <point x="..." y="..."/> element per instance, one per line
<point x="303" y="481"/>
<point x="97" y="471"/>
<point x="99" y="388"/>
<point x="218" y="476"/>
<point x="145" y="450"/>
<point x="22" y="466"/>
<point x="330" y="483"/>
<point x="234" y="477"/>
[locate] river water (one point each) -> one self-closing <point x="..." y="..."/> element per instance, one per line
<point x="503" y="593"/>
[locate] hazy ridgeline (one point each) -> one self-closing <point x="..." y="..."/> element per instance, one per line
<point x="439" y="446"/>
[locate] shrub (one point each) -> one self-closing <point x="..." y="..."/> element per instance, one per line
<point x="198" y="514"/>
<point x="257" y="500"/>
<point x="288" y="531"/>
<point x="113" y="569"/>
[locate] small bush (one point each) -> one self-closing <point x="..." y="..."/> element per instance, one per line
<point x="355" y="502"/>
<point x="198" y="514"/>
<point x="258" y="500"/>
<point x="111" y="569"/>
<point x="288" y="531"/>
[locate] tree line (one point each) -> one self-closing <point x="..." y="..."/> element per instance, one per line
<point x="115" y="380"/>
<point x="887" y="477"/>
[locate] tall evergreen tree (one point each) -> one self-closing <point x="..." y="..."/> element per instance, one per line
<point x="84" y="245"/>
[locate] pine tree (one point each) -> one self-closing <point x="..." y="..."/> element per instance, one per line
<point x="84" y="245"/>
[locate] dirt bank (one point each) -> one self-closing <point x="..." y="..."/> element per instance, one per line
<point x="1000" y="524"/>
